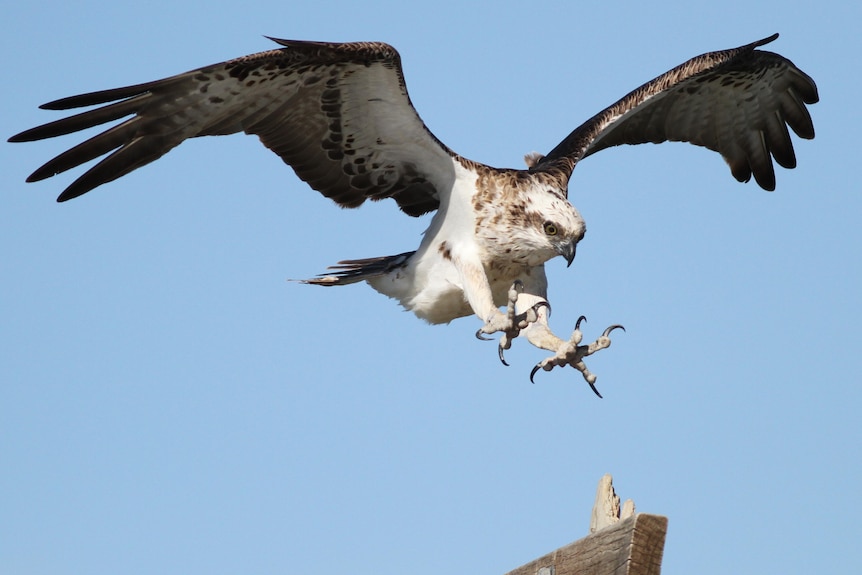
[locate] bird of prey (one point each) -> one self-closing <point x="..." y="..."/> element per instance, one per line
<point x="340" y="116"/>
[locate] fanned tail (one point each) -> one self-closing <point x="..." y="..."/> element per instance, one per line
<point x="351" y="271"/>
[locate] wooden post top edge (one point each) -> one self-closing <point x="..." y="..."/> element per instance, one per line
<point x="637" y="540"/>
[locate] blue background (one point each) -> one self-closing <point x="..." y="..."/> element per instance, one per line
<point x="171" y="404"/>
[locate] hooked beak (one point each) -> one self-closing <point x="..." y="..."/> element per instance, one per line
<point x="568" y="251"/>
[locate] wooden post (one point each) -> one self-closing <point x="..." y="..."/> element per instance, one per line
<point x="632" y="545"/>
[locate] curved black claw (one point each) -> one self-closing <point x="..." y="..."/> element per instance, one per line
<point x="608" y="331"/>
<point x="596" y="391"/>
<point x="536" y="307"/>
<point x="580" y="319"/>
<point x="500" y="353"/>
<point x="537" y="367"/>
<point x="482" y="337"/>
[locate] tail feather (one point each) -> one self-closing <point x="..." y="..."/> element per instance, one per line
<point x="352" y="271"/>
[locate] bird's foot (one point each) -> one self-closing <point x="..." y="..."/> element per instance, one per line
<point x="510" y="323"/>
<point x="573" y="353"/>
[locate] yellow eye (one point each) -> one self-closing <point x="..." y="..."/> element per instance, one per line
<point x="550" y="228"/>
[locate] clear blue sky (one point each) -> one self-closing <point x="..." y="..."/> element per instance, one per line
<point x="171" y="404"/>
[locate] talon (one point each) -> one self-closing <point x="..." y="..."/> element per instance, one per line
<point x="532" y="314"/>
<point x="500" y="353"/>
<point x="608" y="331"/>
<point x="532" y="373"/>
<point x="544" y="303"/>
<point x="572" y="353"/>
<point x="479" y="335"/>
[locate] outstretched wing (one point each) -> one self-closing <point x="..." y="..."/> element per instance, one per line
<point x="736" y="102"/>
<point x="339" y="114"/>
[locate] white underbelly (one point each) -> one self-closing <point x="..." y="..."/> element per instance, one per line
<point x="434" y="294"/>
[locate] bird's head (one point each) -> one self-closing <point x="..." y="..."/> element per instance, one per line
<point x="553" y="226"/>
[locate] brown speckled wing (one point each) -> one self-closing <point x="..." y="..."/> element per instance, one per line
<point x="736" y="102"/>
<point x="339" y="114"/>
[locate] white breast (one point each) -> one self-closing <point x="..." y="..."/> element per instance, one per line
<point x="431" y="285"/>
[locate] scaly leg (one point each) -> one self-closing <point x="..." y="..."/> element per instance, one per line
<point x="569" y="352"/>
<point x="511" y="323"/>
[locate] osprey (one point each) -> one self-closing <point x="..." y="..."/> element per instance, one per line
<point x="340" y="116"/>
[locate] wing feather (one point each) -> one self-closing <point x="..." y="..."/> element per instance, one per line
<point x="779" y="139"/>
<point x="339" y="114"/>
<point x="736" y="102"/>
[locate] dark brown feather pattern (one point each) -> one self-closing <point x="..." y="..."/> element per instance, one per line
<point x="303" y="101"/>
<point x="737" y="102"/>
<point x="340" y="116"/>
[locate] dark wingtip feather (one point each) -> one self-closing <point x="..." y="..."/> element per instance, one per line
<point x="767" y="40"/>
<point x="104" y="96"/>
<point x="82" y="185"/>
<point x="298" y="43"/>
<point x="70" y="194"/>
<point x="765" y="177"/>
<point x="36" y="177"/>
<point x="808" y="91"/>
<point x="91" y="179"/>
<point x="280" y="41"/>
<point x="31" y="135"/>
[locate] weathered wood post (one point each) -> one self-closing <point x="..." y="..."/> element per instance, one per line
<point x="621" y="542"/>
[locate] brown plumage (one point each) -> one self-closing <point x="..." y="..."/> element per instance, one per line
<point x="736" y="102"/>
<point x="340" y="116"/>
